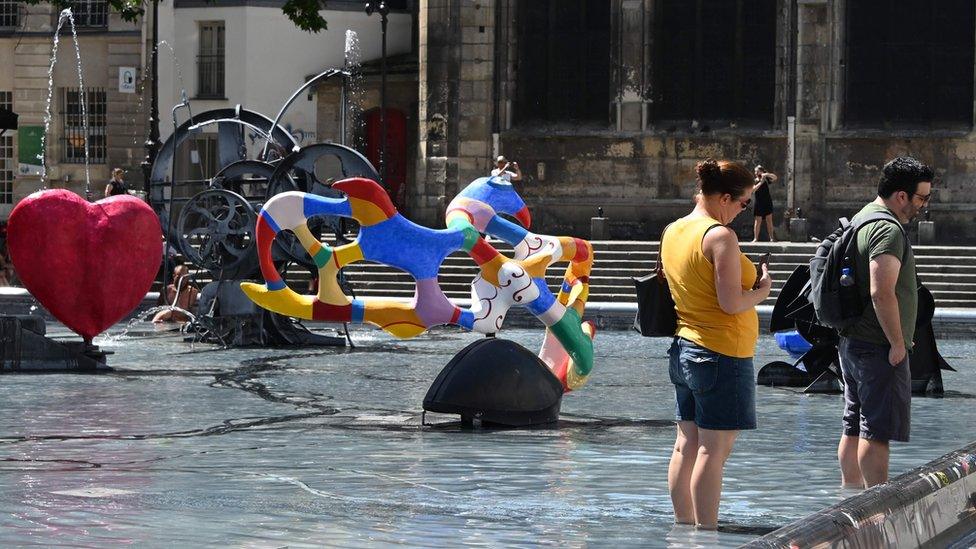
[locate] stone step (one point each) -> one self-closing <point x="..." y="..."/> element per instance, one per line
<point x="949" y="272"/>
<point x="941" y="291"/>
<point x="614" y="298"/>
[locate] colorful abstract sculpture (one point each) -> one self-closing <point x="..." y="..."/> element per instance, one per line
<point x="387" y="237"/>
<point x="89" y="264"/>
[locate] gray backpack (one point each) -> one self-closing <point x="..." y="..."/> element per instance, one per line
<point x="834" y="279"/>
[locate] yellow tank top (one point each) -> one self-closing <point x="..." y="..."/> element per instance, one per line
<point x="691" y="277"/>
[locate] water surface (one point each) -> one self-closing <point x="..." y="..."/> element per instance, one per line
<point x="192" y="445"/>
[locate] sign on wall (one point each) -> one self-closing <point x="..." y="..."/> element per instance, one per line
<point x="127" y="80"/>
<point x="29" y="150"/>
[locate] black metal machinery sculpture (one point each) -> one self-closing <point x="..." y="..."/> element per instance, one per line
<point x="818" y="370"/>
<point x="214" y="228"/>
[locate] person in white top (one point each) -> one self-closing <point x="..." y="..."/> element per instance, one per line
<point x="501" y="170"/>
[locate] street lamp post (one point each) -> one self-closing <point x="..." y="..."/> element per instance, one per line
<point x="381" y="8"/>
<point x="152" y="141"/>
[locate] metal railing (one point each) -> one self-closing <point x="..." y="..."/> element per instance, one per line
<point x="9" y="14"/>
<point x="210" y="75"/>
<point x="73" y="127"/>
<point x="90" y="14"/>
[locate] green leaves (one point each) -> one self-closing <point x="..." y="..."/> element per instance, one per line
<point x="305" y="14"/>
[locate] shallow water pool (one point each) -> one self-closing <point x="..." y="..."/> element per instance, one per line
<point x="192" y="445"/>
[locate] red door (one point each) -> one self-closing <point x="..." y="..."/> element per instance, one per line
<point x="396" y="150"/>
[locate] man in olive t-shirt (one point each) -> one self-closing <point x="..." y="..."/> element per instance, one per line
<point x="874" y="240"/>
<point x="874" y="352"/>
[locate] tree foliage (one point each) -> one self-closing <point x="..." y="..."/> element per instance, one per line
<point x="304" y="13"/>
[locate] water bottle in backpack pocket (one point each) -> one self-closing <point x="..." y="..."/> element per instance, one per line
<point x="834" y="280"/>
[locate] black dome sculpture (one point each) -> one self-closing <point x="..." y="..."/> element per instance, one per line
<point x="496" y="381"/>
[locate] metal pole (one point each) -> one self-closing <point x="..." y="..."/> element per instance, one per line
<point x="343" y="106"/>
<point x="383" y="12"/>
<point x="152" y="141"/>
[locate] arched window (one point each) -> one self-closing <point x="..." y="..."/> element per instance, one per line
<point x="910" y="63"/>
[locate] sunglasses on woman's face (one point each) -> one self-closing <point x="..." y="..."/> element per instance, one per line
<point x="745" y="204"/>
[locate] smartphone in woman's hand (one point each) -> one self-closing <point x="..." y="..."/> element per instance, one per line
<point x="763" y="260"/>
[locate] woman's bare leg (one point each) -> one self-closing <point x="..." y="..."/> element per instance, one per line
<point x="769" y="228"/>
<point x="679" y="472"/>
<point x="714" y="448"/>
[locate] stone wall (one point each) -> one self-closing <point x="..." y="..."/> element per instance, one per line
<point x="642" y="182"/>
<point x="643" y="175"/>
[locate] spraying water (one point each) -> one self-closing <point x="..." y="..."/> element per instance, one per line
<point x="356" y="89"/>
<point x="65" y="15"/>
<point x="142" y="89"/>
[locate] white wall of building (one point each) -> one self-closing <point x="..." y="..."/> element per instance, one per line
<point x="267" y="57"/>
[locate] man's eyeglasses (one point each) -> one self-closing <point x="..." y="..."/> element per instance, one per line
<point x="925" y="197"/>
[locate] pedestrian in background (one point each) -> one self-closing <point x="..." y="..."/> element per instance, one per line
<point x="762" y="209"/>
<point x="502" y="170"/>
<point x="116" y="185"/>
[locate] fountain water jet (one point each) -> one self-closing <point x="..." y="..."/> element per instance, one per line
<point x="66" y="15"/>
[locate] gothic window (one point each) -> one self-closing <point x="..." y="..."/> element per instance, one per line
<point x="714" y="60"/>
<point x="910" y="63"/>
<point x="563" y="72"/>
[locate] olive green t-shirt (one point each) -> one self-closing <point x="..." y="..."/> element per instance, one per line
<point x="874" y="239"/>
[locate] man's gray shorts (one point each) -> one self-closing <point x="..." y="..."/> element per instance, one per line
<point x="877" y="395"/>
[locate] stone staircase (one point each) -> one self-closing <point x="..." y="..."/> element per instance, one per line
<point x="949" y="272"/>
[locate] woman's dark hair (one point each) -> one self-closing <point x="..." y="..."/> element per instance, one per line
<point x="723" y="177"/>
<point x="902" y="174"/>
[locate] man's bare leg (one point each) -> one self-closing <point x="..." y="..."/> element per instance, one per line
<point x="850" y="471"/>
<point x="872" y="458"/>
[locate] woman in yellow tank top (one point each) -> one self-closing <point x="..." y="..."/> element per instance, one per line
<point x="711" y="357"/>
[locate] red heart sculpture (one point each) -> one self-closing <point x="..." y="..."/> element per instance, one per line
<point x="88" y="264"/>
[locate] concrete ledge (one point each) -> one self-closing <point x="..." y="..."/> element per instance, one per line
<point x="932" y="505"/>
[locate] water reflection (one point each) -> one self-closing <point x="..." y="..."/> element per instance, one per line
<point x="198" y="446"/>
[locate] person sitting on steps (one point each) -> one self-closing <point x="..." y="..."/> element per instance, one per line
<point x="181" y="293"/>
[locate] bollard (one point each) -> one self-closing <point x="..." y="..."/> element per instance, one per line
<point x="799" y="231"/>
<point x="599" y="228"/>
<point x="926" y="233"/>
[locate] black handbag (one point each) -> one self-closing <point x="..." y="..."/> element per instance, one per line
<point x="656" y="316"/>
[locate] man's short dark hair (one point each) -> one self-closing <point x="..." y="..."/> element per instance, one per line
<point x="902" y="174"/>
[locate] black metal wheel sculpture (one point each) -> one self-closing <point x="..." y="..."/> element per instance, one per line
<point x="297" y="173"/>
<point x="216" y="232"/>
<point x="248" y="178"/>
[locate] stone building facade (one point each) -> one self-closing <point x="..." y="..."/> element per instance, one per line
<point x="611" y="103"/>
<point x="116" y="121"/>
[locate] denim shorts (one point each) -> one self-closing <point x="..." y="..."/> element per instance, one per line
<point x="877" y="395"/>
<point x="713" y="390"/>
